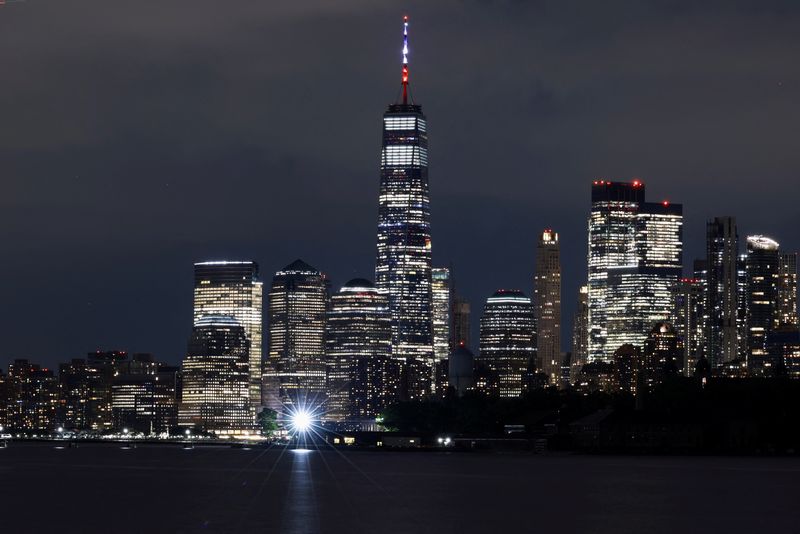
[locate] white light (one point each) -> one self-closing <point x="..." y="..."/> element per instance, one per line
<point x="301" y="421"/>
<point x="60" y="429"/>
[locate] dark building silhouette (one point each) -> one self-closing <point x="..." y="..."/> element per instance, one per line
<point x="722" y="299"/>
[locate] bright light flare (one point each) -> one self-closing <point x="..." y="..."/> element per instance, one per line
<point x="301" y="421"/>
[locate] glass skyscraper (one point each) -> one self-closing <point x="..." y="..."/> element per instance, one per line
<point x="233" y="289"/>
<point x="295" y="369"/>
<point x="547" y="305"/>
<point x="763" y="280"/>
<point x="722" y="291"/>
<point x="403" y="266"/>
<point x="635" y="259"/>
<point x="441" y="298"/>
<point x="507" y="344"/>
<point x="362" y="377"/>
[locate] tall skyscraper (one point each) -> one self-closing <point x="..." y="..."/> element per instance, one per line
<point x="362" y="377"/>
<point x="547" y="305"/>
<point x="295" y="370"/>
<point x="722" y="303"/>
<point x="216" y="378"/>
<point x="611" y="245"/>
<point x="635" y="258"/>
<point x="507" y="343"/>
<point x="763" y="280"/>
<point x="441" y="298"/>
<point x="580" y="334"/>
<point x="233" y="289"/>
<point x="787" y="291"/>
<point x="688" y="320"/>
<point x="403" y="267"/>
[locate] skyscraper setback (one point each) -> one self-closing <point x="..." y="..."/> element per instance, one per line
<point x="233" y="289"/>
<point x="635" y="259"/>
<point x="547" y="305"/>
<point x="403" y="266"/>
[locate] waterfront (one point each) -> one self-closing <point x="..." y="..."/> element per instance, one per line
<point x="105" y="488"/>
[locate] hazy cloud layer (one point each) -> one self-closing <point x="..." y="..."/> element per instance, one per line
<point x="137" y="137"/>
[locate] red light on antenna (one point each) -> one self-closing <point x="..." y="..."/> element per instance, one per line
<point x="405" y="18"/>
<point x="666" y="203"/>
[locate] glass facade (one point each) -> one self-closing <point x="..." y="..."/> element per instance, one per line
<point x="635" y="259"/>
<point x="233" y="288"/>
<point x="787" y="291"/>
<point x="722" y="291"/>
<point x="687" y="319"/>
<point x="547" y="306"/>
<point x="441" y="299"/>
<point x="507" y="342"/>
<point x="403" y="266"/>
<point x="580" y="334"/>
<point x="215" y="394"/>
<point x="362" y="377"/>
<point x="763" y="280"/>
<point x="296" y="370"/>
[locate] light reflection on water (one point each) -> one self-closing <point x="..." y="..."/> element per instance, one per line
<point x="300" y="514"/>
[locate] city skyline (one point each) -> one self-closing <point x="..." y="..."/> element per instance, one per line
<point x="106" y="239"/>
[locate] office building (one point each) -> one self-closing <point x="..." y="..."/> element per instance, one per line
<point x="507" y="342"/>
<point x="547" y="306"/>
<point x="635" y="258"/>
<point x="688" y="320"/>
<point x="233" y="289"/>
<point x="215" y="395"/>
<point x="787" y="291"/>
<point x="296" y="369"/>
<point x="403" y="266"/>
<point x="440" y="311"/>
<point x="362" y="377"/>
<point x="580" y="334"/>
<point x="722" y="291"/>
<point x="763" y="280"/>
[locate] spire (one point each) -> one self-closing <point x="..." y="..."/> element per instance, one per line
<point x="405" y="60"/>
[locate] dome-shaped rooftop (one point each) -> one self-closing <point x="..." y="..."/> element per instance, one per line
<point x="359" y="282"/>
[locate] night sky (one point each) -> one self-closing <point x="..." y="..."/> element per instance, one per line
<point x="139" y="137"/>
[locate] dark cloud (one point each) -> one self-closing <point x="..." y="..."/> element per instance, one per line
<point x="137" y="137"/>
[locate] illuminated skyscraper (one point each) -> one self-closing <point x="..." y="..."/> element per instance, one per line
<point x="233" y="288"/>
<point x="216" y="376"/>
<point x="403" y="267"/>
<point x="763" y="280"/>
<point x="295" y="369"/>
<point x="580" y="334"/>
<point x="612" y="232"/>
<point x="687" y="318"/>
<point x="547" y="305"/>
<point x="722" y="302"/>
<point x="787" y="291"/>
<point x="441" y="297"/>
<point x="635" y="258"/>
<point x="362" y="377"/>
<point x="507" y="344"/>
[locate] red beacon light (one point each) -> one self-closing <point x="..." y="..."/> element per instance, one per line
<point x="665" y="203"/>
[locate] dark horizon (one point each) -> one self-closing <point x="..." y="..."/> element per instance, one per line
<point x="139" y="139"/>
